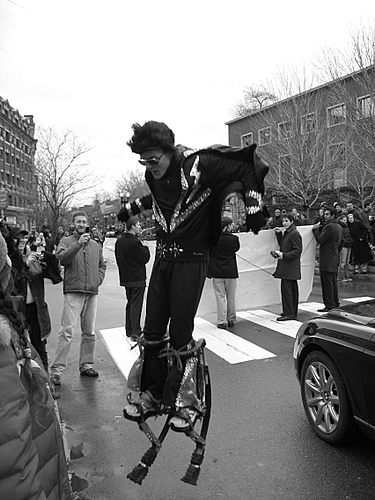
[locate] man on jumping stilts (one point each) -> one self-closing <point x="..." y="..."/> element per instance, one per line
<point x="187" y="191"/>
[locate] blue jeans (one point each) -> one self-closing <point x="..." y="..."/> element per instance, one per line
<point x="76" y="305"/>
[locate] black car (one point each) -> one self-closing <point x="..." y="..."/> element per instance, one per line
<point x="334" y="357"/>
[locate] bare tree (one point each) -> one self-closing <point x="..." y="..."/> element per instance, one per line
<point x="292" y="135"/>
<point x="255" y="98"/>
<point x="357" y="59"/>
<point x="133" y="184"/>
<point x="305" y="163"/>
<point x="60" y="172"/>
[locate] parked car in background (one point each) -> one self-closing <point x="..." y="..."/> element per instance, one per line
<point x="334" y="356"/>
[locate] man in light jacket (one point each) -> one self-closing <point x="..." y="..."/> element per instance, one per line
<point x="84" y="271"/>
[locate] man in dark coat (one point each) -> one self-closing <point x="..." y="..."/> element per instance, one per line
<point x="288" y="266"/>
<point x="131" y="258"/>
<point x="223" y="269"/>
<point x="330" y="241"/>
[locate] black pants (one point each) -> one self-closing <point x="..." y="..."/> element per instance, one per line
<point x="173" y="297"/>
<point x="289" y="297"/>
<point x="329" y="289"/>
<point x="133" y="309"/>
<point x="34" y="330"/>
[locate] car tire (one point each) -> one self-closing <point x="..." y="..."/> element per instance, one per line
<point x="325" y="399"/>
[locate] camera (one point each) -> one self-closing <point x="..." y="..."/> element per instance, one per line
<point x="87" y="230"/>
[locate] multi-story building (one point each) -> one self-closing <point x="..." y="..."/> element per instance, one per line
<point x="318" y="143"/>
<point x="17" y="182"/>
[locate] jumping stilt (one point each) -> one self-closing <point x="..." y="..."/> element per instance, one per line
<point x="199" y="370"/>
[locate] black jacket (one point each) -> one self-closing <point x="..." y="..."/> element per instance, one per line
<point x="187" y="201"/>
<point x="289" y="267"/>
<point x="223" y="263"/>
<point x="131" y="257"/>
<point x="330" y="241"/>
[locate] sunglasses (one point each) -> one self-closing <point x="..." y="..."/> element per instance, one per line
<point x="152" y="162"/>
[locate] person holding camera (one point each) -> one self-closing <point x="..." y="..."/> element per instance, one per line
<point x="288" y="266"/>
<point x="84" y="271"/>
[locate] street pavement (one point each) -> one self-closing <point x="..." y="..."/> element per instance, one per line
<point x="260" y="445"/>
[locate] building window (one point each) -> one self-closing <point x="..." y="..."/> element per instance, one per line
<point x="365" y="107"/>
<point x="246" y="140"/>
<point x="338" y="168"/>
<point x="284" y="130"/>
<point x="308" y="123"/>
<point x="336" y="115"/>
<point x="264" y="136"/>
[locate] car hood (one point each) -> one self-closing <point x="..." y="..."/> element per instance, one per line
<point x="359" y="312"/>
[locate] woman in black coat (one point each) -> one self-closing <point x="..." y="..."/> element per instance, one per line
<point x="361" y="252"/>
<point x="288" y="267"/>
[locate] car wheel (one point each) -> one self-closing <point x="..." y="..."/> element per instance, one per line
<point x="325" y="399"/>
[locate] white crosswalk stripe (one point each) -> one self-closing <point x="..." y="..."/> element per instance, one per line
<point x="268" y="320"/>
<point x="119" y="348"/>
<point x="227" y="345"/>
<point x="230" y="347"/>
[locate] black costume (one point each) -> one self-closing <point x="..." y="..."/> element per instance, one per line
<point x="186" y="204"/>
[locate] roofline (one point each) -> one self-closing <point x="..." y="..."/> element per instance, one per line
<point x="314" y="89"/>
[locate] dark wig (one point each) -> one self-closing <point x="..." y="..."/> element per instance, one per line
<point x="151" y="135"/>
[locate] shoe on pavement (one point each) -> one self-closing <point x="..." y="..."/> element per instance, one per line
<point x="143" y="407"/>
<point x="230" y="324"/>
<point x="55" y="378"/>
<point x="186" y="421"/>
<point x="324" y="310"/>
<point x="222" y="326"/>
<point x="285" y="318"/>
<point x="90" y="372"/>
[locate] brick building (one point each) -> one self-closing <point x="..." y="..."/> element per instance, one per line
<point x="17" y="182"/>
<point x="319" y="144"/>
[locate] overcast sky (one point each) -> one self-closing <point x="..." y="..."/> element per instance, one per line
<point x="96" y="67"/>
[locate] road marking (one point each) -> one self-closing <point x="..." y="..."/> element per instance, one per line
<point x="268" y="320"/>
<point x="359" y="299"/>
<point x="311" y="307"/>
<point x="227" y="345"/>
<point x="233" y="348"/>
<point x="119" y="348"/>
